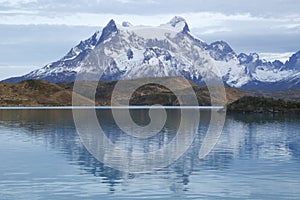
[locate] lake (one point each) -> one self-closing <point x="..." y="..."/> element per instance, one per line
<point x="42" y="157"/>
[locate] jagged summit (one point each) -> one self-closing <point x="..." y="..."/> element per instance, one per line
<point x="110" y="28"/>
<point x="179" y="23"/>
<point x="176" y="24"/>
<point x="177" y="19"/>
<point x="111" y="25"/>
<point x="220" y="50"/>
<point x="294" y="61"/>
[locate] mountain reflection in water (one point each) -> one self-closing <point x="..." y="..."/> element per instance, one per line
<point x="266" y="141"/>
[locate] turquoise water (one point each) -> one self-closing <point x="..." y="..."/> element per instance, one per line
<point x="42" y="157"/>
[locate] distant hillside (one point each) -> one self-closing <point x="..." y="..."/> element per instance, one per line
<point x="287" y="95"/>
<point x="154" y="94"/>
<point x="250" y="104"/>
<point x="41" y="93"/>
<point x="34" y="93"/>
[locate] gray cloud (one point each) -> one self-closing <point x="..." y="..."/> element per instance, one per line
<point x="150" y="7"/>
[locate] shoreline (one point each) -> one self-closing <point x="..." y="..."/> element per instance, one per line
<point x="106" y="107"/>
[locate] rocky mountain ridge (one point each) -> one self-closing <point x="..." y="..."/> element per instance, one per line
<point x="128" y="52"/>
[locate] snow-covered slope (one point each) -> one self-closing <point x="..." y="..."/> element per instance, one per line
<point x="129" y="52"/>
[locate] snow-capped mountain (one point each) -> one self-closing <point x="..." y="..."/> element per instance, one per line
<point x="129" y="52"/>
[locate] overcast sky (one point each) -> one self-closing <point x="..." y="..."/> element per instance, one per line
<point x="36" y="32"/>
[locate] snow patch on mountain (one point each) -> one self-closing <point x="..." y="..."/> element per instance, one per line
<point x="176" y="24"/>
<point x="270" y="56"/>
<point x="265" y="74"/>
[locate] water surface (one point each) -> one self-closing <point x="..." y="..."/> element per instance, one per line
<point x="42" y="157"/>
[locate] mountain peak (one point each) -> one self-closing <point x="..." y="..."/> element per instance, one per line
<point x="179" y="23"/>
<point x="110" y="28"/>
<point x="220" y="50"/>
<point x="111" y="24"/>
<point x="294" y="61"/>
<point x="177" y="19"/>
<point x="221" y="46"/>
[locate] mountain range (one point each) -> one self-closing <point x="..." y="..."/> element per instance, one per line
<point x="168" y="50"/>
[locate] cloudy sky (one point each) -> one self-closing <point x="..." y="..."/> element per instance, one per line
<point x="36" y="32"/>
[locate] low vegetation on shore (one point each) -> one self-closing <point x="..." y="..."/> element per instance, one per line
<point x="252" y="104"/>
<point x="41" y="93"/>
